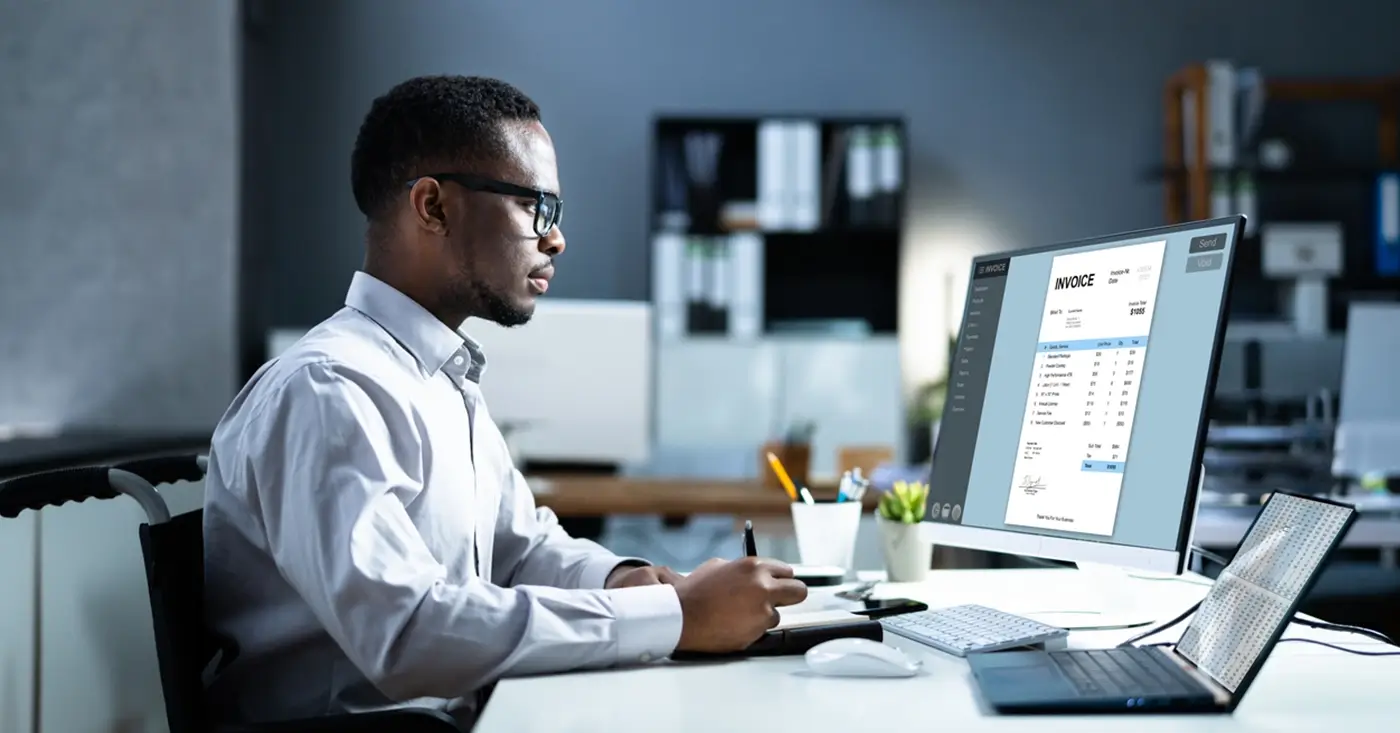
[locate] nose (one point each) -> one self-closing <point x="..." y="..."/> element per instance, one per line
<point x="553" y="243"/>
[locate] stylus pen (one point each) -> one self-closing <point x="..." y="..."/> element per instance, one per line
<point x="750" y="549"/>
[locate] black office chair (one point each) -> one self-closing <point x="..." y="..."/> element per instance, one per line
<point x="173" y="548"/>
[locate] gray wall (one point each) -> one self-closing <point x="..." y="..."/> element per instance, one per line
<point x="118" y="211"/>
<point x="1033" y="120"/>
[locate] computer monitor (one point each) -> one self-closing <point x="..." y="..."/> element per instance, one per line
<point x="1076" y="410"/>
<point x="574" y="385"/>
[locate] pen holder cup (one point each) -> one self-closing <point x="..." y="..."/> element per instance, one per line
<point x="826" y="532"/>
<point x="795" y="457"/>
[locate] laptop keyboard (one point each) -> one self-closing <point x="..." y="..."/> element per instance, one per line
<point x="1127" y="672"/>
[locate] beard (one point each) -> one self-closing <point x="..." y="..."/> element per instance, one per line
<point x="486" y="303"/>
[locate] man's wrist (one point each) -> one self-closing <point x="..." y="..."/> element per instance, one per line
<point x="622" y="567"/>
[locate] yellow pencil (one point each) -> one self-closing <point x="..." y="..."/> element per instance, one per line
<point x="782" y="476"/>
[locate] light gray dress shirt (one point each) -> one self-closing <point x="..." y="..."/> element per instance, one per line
<point x="369" y="544"/>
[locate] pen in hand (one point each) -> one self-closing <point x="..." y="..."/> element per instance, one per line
<point x="750" y="548"/>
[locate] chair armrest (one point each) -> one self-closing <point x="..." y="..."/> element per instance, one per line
<point x="52" y="488"/>
<point x="159" y="470"/>
<point x="409" y="720"/>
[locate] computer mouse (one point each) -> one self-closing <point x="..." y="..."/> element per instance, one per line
<point x="860" y="658"/>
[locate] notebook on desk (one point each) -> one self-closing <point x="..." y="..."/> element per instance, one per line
<point x="1230" y="636"/>
<point x="797" y="632"/>
<point x="823" y="617"/>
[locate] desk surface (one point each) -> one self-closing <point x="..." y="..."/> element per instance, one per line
<point x="24" y="455"/>
<point x="1303" y="687"/>
<point x="596" y="496"/>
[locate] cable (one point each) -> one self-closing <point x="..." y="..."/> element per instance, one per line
<point x="1344" y="628"/>
<point x="1163" y="627"/>
<point x="1347" y="628"/>
<point x="1341" y="648"/>
<point x="1211" y="556"/>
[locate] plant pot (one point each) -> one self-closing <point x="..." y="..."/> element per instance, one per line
<point x="908" y="556"/>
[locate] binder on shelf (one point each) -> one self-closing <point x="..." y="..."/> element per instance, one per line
<point x="1388" y="224"/>
<point x="860" y="175"/>
<point x="746" y="293"/>
<point x="772" y="164"/>
<point x="694" y="285"/>
<point x="889" y="175"/>
<point x="1221" y="151"/>
<point x="718" y="285"/>
<point x="1249" y="86"/>
<point x="1221" y="107"/>
<point x="667" y="284"/>
<point x="804" y="170"/>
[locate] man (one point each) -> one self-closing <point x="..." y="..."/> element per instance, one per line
<point x="368" y="543"/>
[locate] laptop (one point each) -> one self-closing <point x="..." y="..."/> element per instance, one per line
<point x="1231" y="633"/>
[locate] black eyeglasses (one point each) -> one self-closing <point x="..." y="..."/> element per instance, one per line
<point x="548" y="207"/>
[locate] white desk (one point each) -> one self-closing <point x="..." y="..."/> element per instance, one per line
<point x="1303" y="687"/>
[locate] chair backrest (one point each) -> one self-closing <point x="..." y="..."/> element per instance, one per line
<point x="174" y="554"/>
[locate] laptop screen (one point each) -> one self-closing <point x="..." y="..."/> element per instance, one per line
<point x="1255" y="597"/>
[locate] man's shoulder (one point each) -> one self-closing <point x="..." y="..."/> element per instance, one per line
<point x="346" y="350"/>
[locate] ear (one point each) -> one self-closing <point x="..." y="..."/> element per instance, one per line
<point x="426" y="200"/>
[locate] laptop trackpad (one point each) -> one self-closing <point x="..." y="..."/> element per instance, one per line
<point x="1020" y="676"/>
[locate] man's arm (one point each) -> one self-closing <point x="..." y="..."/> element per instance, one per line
<point x="532" y="549"/>
<point x="336" y="459"/>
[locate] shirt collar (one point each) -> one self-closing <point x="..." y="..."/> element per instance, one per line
<point x="429" y="340"/>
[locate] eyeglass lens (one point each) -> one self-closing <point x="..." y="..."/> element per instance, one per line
<point x="547" y="215"/>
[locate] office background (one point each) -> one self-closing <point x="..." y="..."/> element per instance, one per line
<point x="174" y="183"/>
<point x="137" y="128"/>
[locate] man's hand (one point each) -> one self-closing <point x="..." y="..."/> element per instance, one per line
<point x="626" y="576"/>
<point x="727" y="606"/>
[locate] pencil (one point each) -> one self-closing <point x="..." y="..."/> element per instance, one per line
<point x="782" y="476"/>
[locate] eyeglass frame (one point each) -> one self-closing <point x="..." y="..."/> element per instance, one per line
<point x="473" y="182"/>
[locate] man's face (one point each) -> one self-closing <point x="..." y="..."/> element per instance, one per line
<point x="497" y="264"/>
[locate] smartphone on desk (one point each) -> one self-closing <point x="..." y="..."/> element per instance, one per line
<point x="882" y="607"/>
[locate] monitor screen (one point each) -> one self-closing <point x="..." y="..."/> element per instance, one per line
<point x="1077" y="394"/>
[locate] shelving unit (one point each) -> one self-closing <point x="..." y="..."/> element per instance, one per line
<point x="775" y="250"/>
<point x="1332" y="175"/>
<point x="792" y="222"/>
<point x="1187" y="182"/>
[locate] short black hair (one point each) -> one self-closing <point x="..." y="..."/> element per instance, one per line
<point x="430" y="122"/>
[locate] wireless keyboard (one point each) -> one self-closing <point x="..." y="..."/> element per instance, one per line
<point x="972" y="629"/>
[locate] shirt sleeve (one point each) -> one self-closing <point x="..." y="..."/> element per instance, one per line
<point x="335" y="460"/>
<point x="532" y="549"/>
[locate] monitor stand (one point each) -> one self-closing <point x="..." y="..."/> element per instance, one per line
<point x="1099" y="597"/>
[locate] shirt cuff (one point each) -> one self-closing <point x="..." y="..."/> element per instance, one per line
<point x="648" y="622"/>
<point x="595" y="573"/>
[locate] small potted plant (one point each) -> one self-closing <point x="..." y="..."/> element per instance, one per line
<point x="908" y="556"/>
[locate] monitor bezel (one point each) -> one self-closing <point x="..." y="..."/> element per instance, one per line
<point x="1028" y="543"/>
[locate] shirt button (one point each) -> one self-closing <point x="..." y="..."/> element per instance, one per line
<point x="646" y="657"/>
<point x="457" y="361"/>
